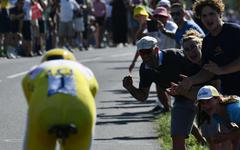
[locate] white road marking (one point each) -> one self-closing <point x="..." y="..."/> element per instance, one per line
<point x="17" y="75"/>
<point x="120" y="55"/>
<point x="84" y="60"/>
<point x="91" y="59"/>
<point x="12" y="140"/>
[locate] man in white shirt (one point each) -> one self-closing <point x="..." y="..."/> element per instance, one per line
<point x="66" y="14"/>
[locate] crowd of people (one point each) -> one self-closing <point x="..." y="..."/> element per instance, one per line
<point x="191" y="55"/>
<point x="205" y="55"/>
<point x="30" y="27"/>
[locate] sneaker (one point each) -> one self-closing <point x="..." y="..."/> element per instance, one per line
<point x="158" y="110"/>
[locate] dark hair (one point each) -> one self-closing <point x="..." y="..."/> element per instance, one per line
<point x="198" y="6"/>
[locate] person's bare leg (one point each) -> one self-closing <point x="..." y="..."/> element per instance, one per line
<point x="197" y="134"/>
<point x="178" y="143"/>
<point x="163" y="97"/>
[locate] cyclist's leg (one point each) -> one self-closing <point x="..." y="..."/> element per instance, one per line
<point x="84" y="118"/>
<point x="37" y="139"/>
<point x="81" y="141"/>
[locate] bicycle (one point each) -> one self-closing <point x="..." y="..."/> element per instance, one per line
<point x="62" y="132"/>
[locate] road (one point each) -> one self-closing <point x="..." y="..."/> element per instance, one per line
<point x="122" y="122"/>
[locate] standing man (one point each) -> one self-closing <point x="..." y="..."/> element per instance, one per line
<point x="66" y="14"/>
<point x="60" y="95"/>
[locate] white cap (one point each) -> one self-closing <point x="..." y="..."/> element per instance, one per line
<point x="164" y="3"/>
<point x="146" y="42"/>
<point x="207" y="92"/>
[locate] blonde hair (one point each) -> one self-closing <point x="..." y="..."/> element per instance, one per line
<point x="228" y="99"/>
<point x="192" y="34"/>
<point x="217" y="5"/>
<point x="224" y="100"/>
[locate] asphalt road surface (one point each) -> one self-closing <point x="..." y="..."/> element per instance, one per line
<point x="122" y="122"/>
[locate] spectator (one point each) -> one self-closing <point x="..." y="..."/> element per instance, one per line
<point x="37" y="26"/>
<point x="225" y="110"/>
<point x="164" y="42"/>
<point x="119" y="22"/>
<point x="4" y="26"/>
<point x="26" y="30"/>
<point x="164" y="3"/>
<point x="99" y="12"/>
<point x="192" y="45"/>
<point x="162" y="15"/>
<point x="162" y="67"/>
<point x="78" y="25"/>
<point x="141" y="15"/>
<point x="66" y="33"/>
<point x="178" y="13"/>
<point x="220" y="50"/>
<point x="133" y="24"/>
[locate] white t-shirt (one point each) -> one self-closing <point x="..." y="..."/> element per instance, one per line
<point x="165" y="41"/>
<point x="66" y="10"/>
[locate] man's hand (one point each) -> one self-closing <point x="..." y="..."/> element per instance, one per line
<point x="173" y="89"/>
<point x="214" y="68"/>
<point x="184" y="85"/>
<point x="127" y="82"/>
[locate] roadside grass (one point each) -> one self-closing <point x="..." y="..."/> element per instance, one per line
<point x="163" y="129"/>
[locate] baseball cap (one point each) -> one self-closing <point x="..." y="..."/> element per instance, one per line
<point x="140" y="10"/>
<point x="165" y="3"/>
<point x="160" y="11"/>
<point x="146" y="42"/>
<point x="207" y="92"/>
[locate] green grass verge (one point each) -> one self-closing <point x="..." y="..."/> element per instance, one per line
<point x="163" y="129"/>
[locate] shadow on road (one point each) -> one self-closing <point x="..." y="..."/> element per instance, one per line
<point x="127" y="138"/>
<point x="124" y="107"/>
<point x="116" y="61"/>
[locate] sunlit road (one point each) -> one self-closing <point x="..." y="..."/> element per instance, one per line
<point x="122" y="123"/>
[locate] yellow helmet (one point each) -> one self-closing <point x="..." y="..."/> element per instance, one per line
<point x="58" y="53"/>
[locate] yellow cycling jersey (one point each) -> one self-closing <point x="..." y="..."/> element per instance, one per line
<point x="60" y="92"/>
<point x="38" y="78"/>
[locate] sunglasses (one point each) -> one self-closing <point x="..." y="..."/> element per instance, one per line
<point x="144" y="52"/>
<point x="177" y="13"/>
<point x="192" y="47"/>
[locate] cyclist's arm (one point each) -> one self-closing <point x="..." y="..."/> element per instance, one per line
<point x="26" y="88"/>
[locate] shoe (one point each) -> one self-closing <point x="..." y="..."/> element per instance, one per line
<point x="158" y="110"/>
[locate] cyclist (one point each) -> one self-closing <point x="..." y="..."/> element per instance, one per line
<point x="60" y="95"/>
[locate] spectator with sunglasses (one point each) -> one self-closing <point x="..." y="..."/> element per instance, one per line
<point x="164" y="67"/>
<point x="142" y="16"/>
<point x="178" y="15"/>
